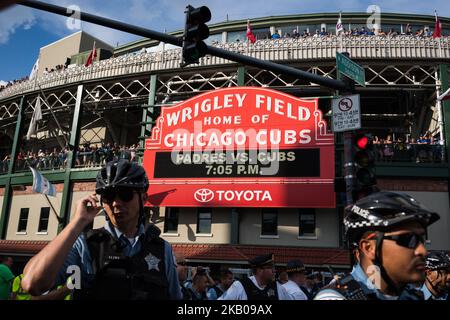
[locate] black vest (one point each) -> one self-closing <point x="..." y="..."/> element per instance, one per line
<point x="352" y="290"/>
<point x="117" y="277"/>
<point x="270" y="292"/>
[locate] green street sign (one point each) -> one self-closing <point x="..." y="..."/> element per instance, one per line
<point x="350" y="68"/>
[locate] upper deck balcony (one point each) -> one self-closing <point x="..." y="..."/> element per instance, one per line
<point x="317" y="49"/>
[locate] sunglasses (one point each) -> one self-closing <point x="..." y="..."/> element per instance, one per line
<point x="407" y="240"/>
<point x="124" y="194"/>
<point x="181" y="263"/>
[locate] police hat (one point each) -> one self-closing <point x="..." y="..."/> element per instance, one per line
<point x="295" y="266"/>
<point x="261" y="261"/>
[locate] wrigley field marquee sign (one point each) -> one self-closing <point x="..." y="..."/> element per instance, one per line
<point x="241" y="147"/>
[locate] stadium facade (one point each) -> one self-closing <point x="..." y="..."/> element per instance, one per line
<point x="118" y="100"/>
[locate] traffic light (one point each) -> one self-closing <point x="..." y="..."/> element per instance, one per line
<point x="364" y="159"/>
<point x="195" y="31"/>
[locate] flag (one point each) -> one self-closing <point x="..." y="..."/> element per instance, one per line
<point x="339" y="26"/>
<point x="250" y="35"/>
<point x="91" y="57"/>
<point x="437" y="33"/>
<point x="37" y="115"/>
<point x="444" y="96"/>
<point x="41" y="184"/>
<point x="35" y="69"/>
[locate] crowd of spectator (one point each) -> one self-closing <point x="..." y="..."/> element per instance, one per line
<point x="7" y="84"/>
<point x="57" y="68"/>
<point x="87" y="155"/>
<point x="363" y="31"/>
<point x="425" y="149"/>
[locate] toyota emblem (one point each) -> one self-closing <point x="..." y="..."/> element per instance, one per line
<point x="204" y="195"/>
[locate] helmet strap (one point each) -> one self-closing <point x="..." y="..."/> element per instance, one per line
<point x="434" y="287"/>
<point x="379" y="263"/>
<point x="141" y="211"/>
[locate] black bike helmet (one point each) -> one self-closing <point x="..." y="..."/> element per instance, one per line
<point x="121" y="173"/>
<point x="382" y="210"/>
<point x="437" y="260"/>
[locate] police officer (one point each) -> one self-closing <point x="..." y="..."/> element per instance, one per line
<point x="260" y="286"/>
<point x="437" y="281"/>
<point x="123" y="260"/>
<point x="296" y="277"/>
<point x="386" y="231"/>
<point x="226" y="280"/>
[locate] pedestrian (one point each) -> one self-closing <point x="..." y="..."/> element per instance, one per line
<point x="199" y="286"/>
<point x="6" y="277"/>
<point x="226" y="280"/>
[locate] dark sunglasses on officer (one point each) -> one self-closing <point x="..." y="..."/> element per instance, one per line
<point x="410" y="240"/>
<point x="123" y="194"/>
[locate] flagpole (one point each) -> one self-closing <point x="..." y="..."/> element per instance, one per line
<point x="53" y="114"/>
<point x="94" y="54"/>
<point x="46" y="197"/>
<point x="53" y="209"/>
<point x="440" y="114"/>
<point x="37" y="72"/>
<point x="341" y="35"/>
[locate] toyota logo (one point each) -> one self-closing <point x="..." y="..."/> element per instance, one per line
<point x="204" y="195"/>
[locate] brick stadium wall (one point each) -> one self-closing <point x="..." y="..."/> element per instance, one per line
<point x="83" y="186"/>
<point x="58" y="186"/>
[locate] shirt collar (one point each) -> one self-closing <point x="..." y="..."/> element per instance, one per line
<point x="426" y="292"/>
<point x="367" y="286"/>
<point x="119" y="235"/>
<point x="429" y="296"/>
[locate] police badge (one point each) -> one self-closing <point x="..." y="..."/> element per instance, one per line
<point x="152" y="262"/>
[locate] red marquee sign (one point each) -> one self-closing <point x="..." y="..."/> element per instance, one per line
<point x="241" y="147"/>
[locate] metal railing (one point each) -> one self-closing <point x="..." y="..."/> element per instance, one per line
<point x="311" y="48"/>
<point x="410" y="152"/>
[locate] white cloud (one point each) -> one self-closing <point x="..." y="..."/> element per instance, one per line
<point x="163" y="14"/>
<point x="14" y="18"/>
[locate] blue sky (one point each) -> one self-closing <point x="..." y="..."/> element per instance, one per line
<point x="23" y="31"/>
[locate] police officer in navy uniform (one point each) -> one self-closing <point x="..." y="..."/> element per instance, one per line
<point x="386" y="231"/>
<point x="297" y="275"/>
<point x="437" y="281"/>
<point x="260" y="286"/>
<point x="126" y="259"/>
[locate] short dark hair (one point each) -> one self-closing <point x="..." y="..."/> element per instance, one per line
<point x="197" y="277"/>
<point x="225" y="273"/>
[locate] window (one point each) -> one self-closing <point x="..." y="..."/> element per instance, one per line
<point x="204" y="217"/>
<point x="269" y="225"/>
<point x="23" y="220"/>
<point x="43" y="219"/>
<point x="171" y="220"/>
<point x="307" y="223"/>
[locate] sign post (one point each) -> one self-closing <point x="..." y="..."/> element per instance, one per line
<point x="346" y="113"/>
<point x="351" y="69"/>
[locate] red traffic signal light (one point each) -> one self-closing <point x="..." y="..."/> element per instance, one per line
<point x="364" y="159"/>
<point x="362" y="141"/>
